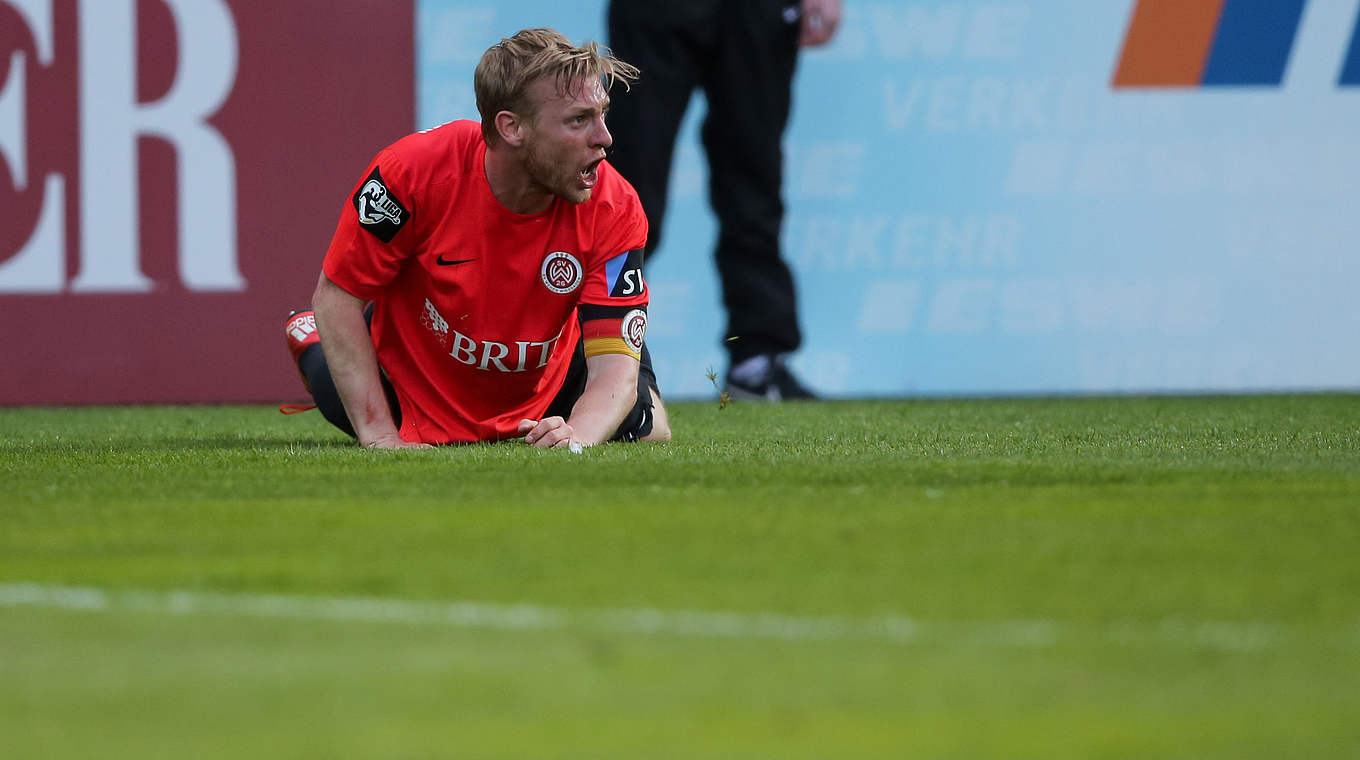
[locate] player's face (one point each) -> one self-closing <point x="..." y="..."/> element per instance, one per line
<point x="567" y="139"/>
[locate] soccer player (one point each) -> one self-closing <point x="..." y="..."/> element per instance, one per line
<point x="485" y="281"/>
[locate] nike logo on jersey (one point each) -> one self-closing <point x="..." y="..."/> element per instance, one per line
<point x="443" y="262"/>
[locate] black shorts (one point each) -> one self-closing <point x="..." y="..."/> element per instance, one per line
<point x="636" y="425"/>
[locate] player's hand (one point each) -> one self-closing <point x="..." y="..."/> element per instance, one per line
<point x="394" y="441"/>
<point x="820" y="19"/>
<point x="549" y="432"/>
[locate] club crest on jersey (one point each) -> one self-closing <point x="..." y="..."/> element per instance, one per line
<point x="379" y="212"/>
<point x="561" y="272"/>
<point x="634" y="328"/>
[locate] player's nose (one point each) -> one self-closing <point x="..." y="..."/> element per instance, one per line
<point x="602" y="138"/>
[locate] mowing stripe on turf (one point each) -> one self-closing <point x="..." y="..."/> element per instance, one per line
<point x="1229" y="636"/>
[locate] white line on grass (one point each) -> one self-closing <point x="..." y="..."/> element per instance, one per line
<point x="1229" y="636"/>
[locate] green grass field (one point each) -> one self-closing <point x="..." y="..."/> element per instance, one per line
<point x="1078" y="578"/>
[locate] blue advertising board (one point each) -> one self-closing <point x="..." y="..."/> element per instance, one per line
<point x="1039" y="196"/>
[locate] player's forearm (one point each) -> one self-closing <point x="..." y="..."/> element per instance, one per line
<point x="605" y="402"/>
<point x="353" y="361"/>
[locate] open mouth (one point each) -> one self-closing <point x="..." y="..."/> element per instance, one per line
<point x="590" y="175"/>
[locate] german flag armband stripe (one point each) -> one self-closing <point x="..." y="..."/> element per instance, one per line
<point x="613" y="329"/>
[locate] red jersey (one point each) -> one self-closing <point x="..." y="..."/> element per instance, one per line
<point x="478" y="309"/>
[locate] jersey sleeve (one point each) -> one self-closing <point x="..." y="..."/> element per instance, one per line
<point x="613" y="308"/>
<point x="375" y="234"/>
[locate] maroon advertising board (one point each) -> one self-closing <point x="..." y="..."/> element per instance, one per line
<point x="171" y="172"/>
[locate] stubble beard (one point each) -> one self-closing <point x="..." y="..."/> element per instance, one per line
<point x="551" y="177"/>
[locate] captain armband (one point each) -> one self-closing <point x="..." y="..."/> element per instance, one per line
<point x="613" y="329"/>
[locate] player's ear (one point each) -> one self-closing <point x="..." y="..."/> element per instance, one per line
<point x="510" y="126"/>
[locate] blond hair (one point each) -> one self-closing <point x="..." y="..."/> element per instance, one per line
<point x="510" y="67"/>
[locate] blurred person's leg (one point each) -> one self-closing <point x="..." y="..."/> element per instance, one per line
<point x="668" y="43"/>
<point x="749" y="89"/>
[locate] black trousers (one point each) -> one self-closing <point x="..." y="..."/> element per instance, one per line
<point x="742" y="53"/>
<point x="636" y="425"/>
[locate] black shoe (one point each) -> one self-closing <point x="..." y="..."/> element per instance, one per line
<point x="772" y="383"/>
